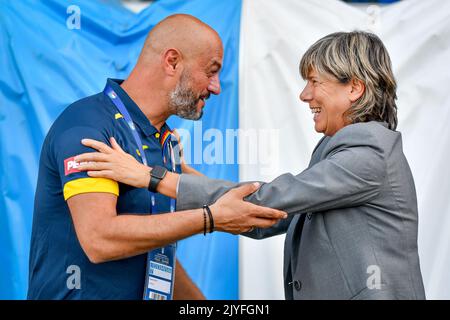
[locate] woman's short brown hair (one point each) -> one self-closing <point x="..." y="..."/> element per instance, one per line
<point x="357" y="55"/>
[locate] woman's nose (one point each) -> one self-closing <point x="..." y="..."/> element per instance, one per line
<point x="306" y="95"/>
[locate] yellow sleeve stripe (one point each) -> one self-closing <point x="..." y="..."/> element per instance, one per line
<point x="118" y="116"/>
<point x="87" y="185"/>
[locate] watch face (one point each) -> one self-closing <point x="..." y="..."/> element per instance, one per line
<point x="158" y="172"/>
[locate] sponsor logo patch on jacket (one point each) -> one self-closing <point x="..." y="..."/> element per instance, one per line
<point x="71" y="166"/>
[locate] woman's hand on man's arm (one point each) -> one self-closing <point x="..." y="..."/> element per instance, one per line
<point x="113" y="163"/>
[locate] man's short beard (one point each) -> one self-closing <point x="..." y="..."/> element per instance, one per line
<point x="183" y="101"/>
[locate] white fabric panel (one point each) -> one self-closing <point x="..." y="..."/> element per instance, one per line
<point x="274" y="35"/>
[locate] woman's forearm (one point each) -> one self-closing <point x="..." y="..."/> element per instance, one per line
<point x="168" y="185"/>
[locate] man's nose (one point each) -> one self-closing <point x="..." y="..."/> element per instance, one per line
<point x="214" y="85"/>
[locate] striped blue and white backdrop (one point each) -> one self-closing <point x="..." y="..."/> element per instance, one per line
<point x="55" y="51"/>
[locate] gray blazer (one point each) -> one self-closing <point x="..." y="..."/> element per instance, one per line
<point x="351" y="232"/>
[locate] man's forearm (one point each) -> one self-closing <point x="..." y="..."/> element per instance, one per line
<point x="124" y="236"/>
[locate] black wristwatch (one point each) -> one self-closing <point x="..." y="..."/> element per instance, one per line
<point x="156" y="175"/>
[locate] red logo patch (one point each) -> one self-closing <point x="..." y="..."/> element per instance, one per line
<point x="70" y="166"/>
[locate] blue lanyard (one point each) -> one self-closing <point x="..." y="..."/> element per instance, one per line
<point x="167" y="143"/>
<point x="160" y="266"/>
<point x="123" y="110"/>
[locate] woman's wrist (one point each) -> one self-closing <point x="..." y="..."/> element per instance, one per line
<point x="144" y="176"/>
<point x="168" y="185"/>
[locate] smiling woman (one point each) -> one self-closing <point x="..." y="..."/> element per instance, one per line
<point x="349" y="80"/>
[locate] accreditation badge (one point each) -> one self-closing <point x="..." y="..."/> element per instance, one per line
<point x="160" y="273"/>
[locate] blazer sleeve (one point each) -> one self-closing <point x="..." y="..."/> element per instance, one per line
<point x="351" y="172"/>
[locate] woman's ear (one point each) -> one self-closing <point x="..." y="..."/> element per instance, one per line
<point x="357" y="89"/>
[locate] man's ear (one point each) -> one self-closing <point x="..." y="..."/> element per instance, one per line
<point x="171" y="61"/>
<point x="357" y="89"/>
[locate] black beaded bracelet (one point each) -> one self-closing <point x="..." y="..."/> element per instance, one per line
<point x="211" y="219"/>
<point x="204" y="222"/>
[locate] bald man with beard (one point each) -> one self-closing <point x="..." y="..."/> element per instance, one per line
<point x="91" y="235"/>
